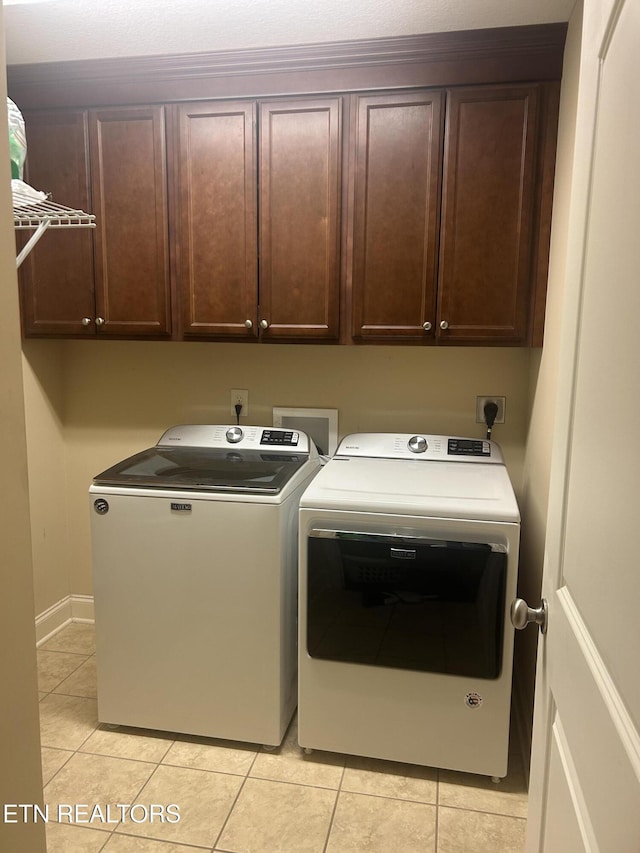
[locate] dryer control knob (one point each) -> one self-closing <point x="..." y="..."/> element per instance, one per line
<point x="417" y="444"/>
<point x="234" y="434"/>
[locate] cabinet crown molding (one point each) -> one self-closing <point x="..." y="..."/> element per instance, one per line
<point x="494" y="54"/>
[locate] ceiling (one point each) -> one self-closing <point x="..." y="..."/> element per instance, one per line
<point x="54" y="30"/>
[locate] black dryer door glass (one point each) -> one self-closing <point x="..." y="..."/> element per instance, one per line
<point x="408" y="603"/>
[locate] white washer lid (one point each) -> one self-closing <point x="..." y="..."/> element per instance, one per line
<point x="465" y="490"/>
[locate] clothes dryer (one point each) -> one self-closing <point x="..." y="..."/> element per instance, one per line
<point x="408" y="565"/>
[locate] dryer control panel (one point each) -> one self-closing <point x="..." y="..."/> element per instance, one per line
<point x="420" y="447"/>
<point x="469" y="447"/>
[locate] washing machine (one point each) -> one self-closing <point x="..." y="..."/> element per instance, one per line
<point x="194" y="546"/>
<point x="408" y="564"/>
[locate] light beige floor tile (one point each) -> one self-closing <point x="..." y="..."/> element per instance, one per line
<point x="98" y="780"/>
<point x="54" y="667"/>
<point x="204" y="799"/>
<point x="52" y="761"/>
<point x="66" y="721"/>
<point x="291" y="764"/>
<point x="276" y="817"/>
<point x="139" y="744"/>
<point x="82" y="682"/>
<point x="390" y="779"/>
<point x="378" y="825"/>
<point x="62" y="838"/>
<point x="76" y="637"/>
<point x="128" y="844"/>
<point x="479" y="793"/>
<point x="41" y="696"/>
<point x="207" y="754"/>
<point x="461" y="831"/>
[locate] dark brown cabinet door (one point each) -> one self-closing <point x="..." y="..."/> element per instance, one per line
<point x="484" y="282"/>
<point x="299" y="177"/>
<point x="56" y="278"/>
<point x="216" y="219"/>
<point x="129" y="188"/>
<point x="398" y="141"/>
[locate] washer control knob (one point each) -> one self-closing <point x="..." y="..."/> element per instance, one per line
<point x="234" y="434"/>
<point x="417" y="444"/>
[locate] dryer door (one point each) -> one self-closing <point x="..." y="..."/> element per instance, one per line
<point x="407" y="602"/>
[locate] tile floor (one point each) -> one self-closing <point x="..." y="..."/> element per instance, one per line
<point x="239" y="798"/>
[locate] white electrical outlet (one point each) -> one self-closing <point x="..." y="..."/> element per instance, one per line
<point x="239" y="396"/>
<point x="501" y="403"/>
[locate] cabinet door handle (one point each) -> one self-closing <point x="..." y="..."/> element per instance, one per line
<point x="444" y="324"/>
<point x="86" y="321"/>
<point x="248" y="324"/>
<point x="426" y="326"/>
<point x="264" y="324"/>
<point x="99" y="321"/>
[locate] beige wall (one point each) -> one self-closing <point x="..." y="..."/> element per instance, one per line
<point x="20" y="774"/>
<point x="544" y="383"/>
<point x="121" y="396"/>
<point x="44" y="396"/>
<point x="118" y="397"/>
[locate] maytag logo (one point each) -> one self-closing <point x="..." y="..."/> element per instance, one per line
<point x="181" y="507"/>
<point x="403" y="553"/>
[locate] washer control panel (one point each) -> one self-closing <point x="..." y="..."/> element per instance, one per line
<point x="241" y="437"/>
<point x="280" y="437"/>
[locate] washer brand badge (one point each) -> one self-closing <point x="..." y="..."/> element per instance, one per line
<point x="181" y="507"/>
<point x="101" y="506"/>
<point x="473" y="700"/>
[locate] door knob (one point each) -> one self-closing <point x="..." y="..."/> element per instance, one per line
<point x="248" y="324"/>
<point x="86" y="321"/>
<point x="99" y="321"/>
<point x="522" y="614"/>
<point x="264" y="324"/>
<point x="426" y="326"/>
<point x="444" y="324"/>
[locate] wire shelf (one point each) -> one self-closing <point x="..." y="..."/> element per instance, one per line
<point x="39" y="215"/>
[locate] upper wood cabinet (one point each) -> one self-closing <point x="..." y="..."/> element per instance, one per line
<point x="217" y="218"/>
<point x="300" y="143"/>
<point x="114" y="279"/>
<point x="129" y="188"/>
<point x="485" y="278"/>
<point x="255" y="215"/>
<point x="443" y="227"/>
<point x="398" y="145"/>
<point x="293" y="179"/>
<point x="56" y="278"/>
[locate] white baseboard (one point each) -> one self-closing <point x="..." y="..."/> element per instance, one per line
<point x="72" y="608"/>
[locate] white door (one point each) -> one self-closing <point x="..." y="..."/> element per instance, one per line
<point x="585" y="775"/>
